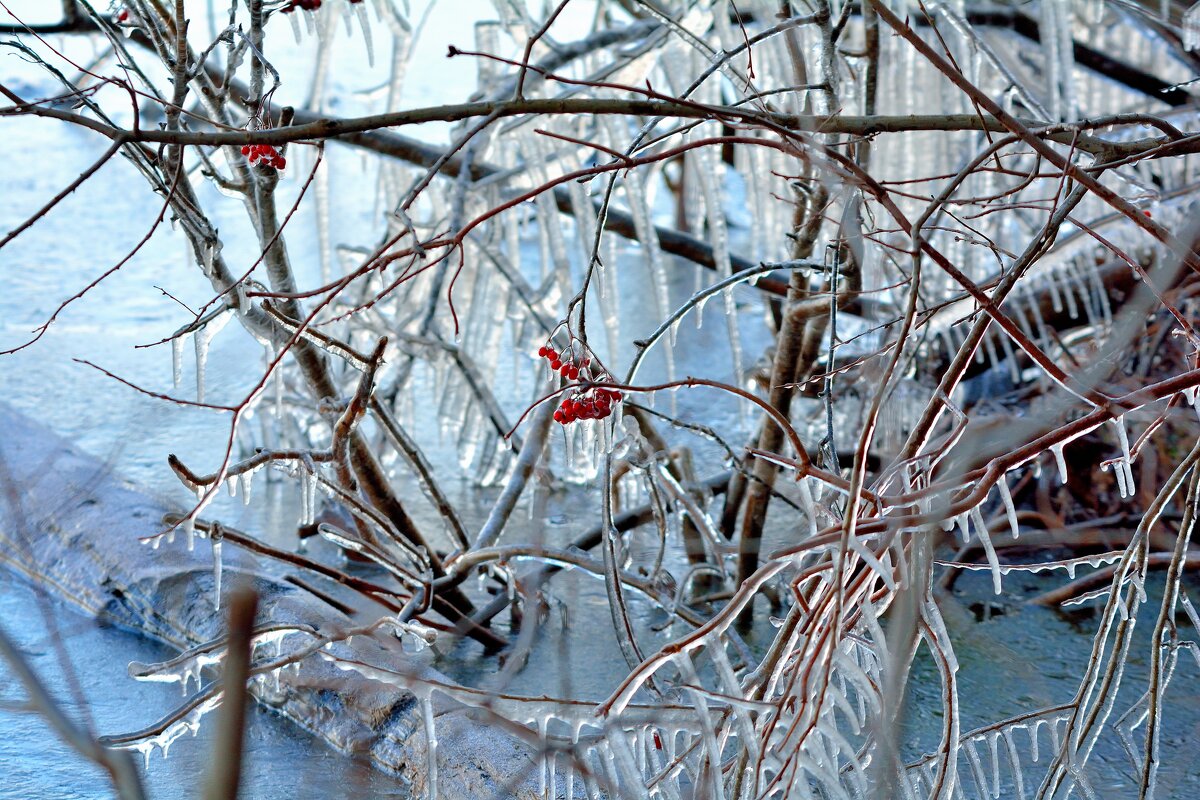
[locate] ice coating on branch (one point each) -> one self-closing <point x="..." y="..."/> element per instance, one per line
<point x="189" y="723"/>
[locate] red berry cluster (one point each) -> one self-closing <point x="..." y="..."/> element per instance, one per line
<point x="268" y="155"/>
<point x="563" y="363"/>
<point x="594" y="403"/>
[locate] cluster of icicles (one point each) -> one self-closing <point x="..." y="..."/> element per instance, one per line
<point x="316" y="12"/>
<point x="267" y="675"/>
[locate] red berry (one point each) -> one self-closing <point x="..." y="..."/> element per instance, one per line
<point x="573" y="373"/>
<point x="559" y="417"/>
<point x="542" y="351"/>
<point x="555" y="364"/>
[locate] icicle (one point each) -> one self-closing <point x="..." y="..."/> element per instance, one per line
<point x="989" y="345"/>
<point x="177" y="361"/>
<point x="1122" y="466"/>
<point x="360" y="11"/>
<point x="1010" y="357"/>
<point x="308" y="495"/>
<point x="810" y="508"/>
<point x="246" y="480"/>
<point x="1014" y="763"/>
<point x="1091" y="313"/>
<point x="1060" y="460"/>
<point x="1069" y="296"/>
<point x="1101" y="295"/>
<point x="244" y="305"/>
<point x="201" y="342"/>
<point x="431" y="746"/>
<point x="711" y="171"/>
<point x="216" y="556"/>
<point x="1191" y="28"/>
<point x="1139" y="585"/>
<point x="963" y="521"/>
<point x="647" y="237"/>
<point x="1118" y="473"/>
<point x="1056" y="299"/>
<point x="1033" y="738"/>
<point x="1055" y="737"/>
<point x="292" y="17"/>
<point x="1035" y="310"/>
<point x="994" y="750"/>
<point x="201" y="339"/>
<point x="1122" y="437"/>
<point x="986" y="540"/>
<point x="1010" y="511"/>
<point x="1055" y="29"/>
